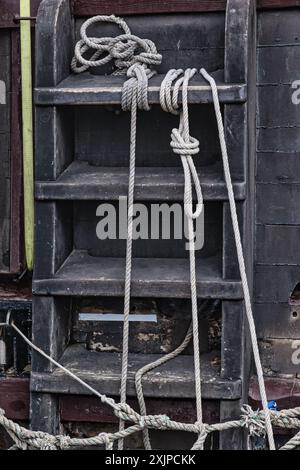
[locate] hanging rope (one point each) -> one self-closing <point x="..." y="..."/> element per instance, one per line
<point x="186" y="146"/>
<point x="135" y="57"/>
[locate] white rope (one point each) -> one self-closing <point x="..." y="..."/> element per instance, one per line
<point x="186" y="146"/>
<point x="136" y="57"/>
<point x="240" y="256"/>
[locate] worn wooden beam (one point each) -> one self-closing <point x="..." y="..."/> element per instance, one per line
<point x="130" y="7"/>
<point x="15" y="157"/>
<point x="14" y="398"/>
<point x="90" y="409"/>
<point x="10" y="8"/>
<point x="285" y="391"/>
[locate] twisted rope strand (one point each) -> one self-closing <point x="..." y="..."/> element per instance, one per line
<point x="136" y="57"/>
<point x="240" y="256"/>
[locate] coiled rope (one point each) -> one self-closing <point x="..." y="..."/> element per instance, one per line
<point x="135" y="57"/>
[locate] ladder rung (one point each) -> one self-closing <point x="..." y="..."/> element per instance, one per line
<point x="101" y="370"/>
<point x="151" y="277"/>
<point x="81" y="181"/>
<point x="89" y="89"/>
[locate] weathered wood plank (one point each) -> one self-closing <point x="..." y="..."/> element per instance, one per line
<point x="95" y="137"/>
<point x="280" y="356"/>
<point x="88" y="409"/>
<point x="278" y="64"/>
<point x="14" y="398"/>
<point x="16" y="255"/>
<point x="5" y="145"/>
<point x="276" y="320"/>
<point x="10" y="8"/>
<point x="151" y="277"/>
<point x="275" y="244"/>
<point x="277" y="204"/>
<point x="102" y="370"/>
<point x="272" y="116"/>
<point x="168" y="240"/>
<point x="279" y="139"/>
<point x="272" y="30"/>
<point x="87" y="89"/>
<point x="129" y="7"/>
<point x="278" y="167"/>
<point x="275" y="283"/>
<point x="286" y="391"/>
<point x="83" y="181"/>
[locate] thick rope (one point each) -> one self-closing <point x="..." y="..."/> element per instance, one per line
<point x="240" y="256"/>
<point x="135" y="57"/>
<point x="186" y="146"/>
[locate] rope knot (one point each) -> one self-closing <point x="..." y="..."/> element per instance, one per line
<point x="182" y="147"/>
<point x="254" y="421"/>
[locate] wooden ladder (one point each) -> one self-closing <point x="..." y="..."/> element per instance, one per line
<point x="80" y="164"/>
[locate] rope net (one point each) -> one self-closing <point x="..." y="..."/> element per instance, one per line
<point x="136" y="58"/>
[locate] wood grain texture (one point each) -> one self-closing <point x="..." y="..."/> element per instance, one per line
<point x="173" y="380"/>
<point x="16" y="255"/>
<point x="129" y="7"/>
<point x="151" y="277"/>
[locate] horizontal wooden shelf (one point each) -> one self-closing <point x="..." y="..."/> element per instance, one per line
<point x="102" y="371"/>
<point x="151" y="277"/>
<point x="89" y="89"/>
<point x="82" y="181"/>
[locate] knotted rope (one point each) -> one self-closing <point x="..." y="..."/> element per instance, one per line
<point x="135" y="57"/>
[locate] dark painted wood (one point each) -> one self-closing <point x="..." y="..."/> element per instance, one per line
<point x="275" y="244"/>
<point x="272" y="116"/>
<point x="83" y="181"/>
<point x="280" y="356"/>
<point x="53" y="238"/>
<point x="166" y="242"/>
<point x="10" y="8"/>
<point x="14" y="398"/>
<point x="54" y="42"/>
<point x="5" y="145"/>
<point x="44" y="413"/>
<point x="286" y="391"/>
<point x="277" y="320"/>
<point x="16" y="235"/>
<point x="92" y="122"/>
<point x="273" y="31"/>
<point x="287" y="60"/>
<point x="86" y="89"/>
<point x="240" y="47"/>
<point x="275" y="283"/>
<point x="129" y="7"/>
<point x="278" y="167"/>
<point x="84" y="274"/>
<point x="104" y="373"/>
<point x="277" y="204"/>
<point x="58" y="142"/>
